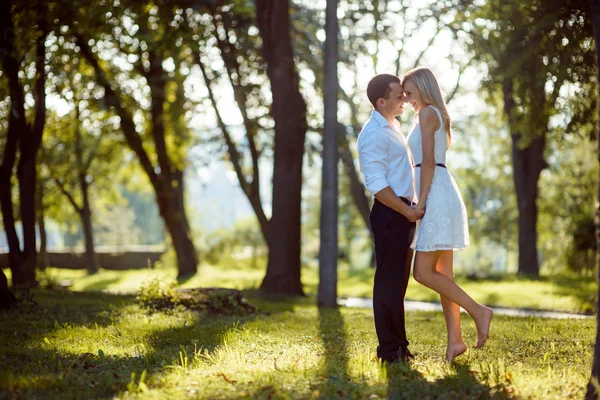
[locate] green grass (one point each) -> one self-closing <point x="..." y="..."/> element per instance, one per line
<point x="561" y="292"/>
<point x="90" y="345"/>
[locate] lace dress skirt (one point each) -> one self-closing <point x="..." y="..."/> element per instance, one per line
<point x="444" y="225"/>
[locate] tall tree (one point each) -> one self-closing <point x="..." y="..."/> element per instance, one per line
<point x="328" y="253"/>
<point x="27" y="136"/>
<point x="593" y="391"/>
<point x="529" y="62"/>
<point x="289" y="112"/>
<point x="153" y="43"/>
<point x="77" y="161"/>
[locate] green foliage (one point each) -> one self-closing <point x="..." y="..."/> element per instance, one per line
<point x="567" y="206"/>
<point x="157" y="294"/>
<point x="581" y="255"/>
<point x="243" y="240"/>
<point x="115" y="226"/>
<point x="485" y="179"/>
<point x="533" y="49"/>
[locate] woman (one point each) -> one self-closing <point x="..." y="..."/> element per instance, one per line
<point x="444" y="225"/>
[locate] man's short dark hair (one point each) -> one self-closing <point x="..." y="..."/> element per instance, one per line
<point x="379" y="87"/>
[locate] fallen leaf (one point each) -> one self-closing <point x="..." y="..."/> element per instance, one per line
<point x="226" y="378"/>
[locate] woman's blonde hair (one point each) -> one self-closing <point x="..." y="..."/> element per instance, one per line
<point x="424" y="79"/>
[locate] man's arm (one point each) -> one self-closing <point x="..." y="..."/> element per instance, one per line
<point x="389" y="198"/>
<point x="372" y="151"/>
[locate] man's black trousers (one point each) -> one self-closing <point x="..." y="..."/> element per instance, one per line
<point x="393" y="234"/>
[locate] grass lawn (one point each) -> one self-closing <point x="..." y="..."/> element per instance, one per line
<point x="94" y="345"/>
<point x="561" y="293"/>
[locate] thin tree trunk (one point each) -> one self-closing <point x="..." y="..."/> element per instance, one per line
<point x="592" y="392"/>
<point x="85" y="211"/>
<point x="86" y="219"/>
<point x="41" y="223"/>
<point x="528" y="163"/>
<point x="328" y="252"/>
<point x="289" y="112"/>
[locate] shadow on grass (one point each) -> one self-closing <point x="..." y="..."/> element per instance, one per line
<point x="565" y="284"/>
<point x="45" y="374"/>
<point x="32" y="367"/>
<point x="582" y="288"/>
<point x="100" y="285"/>
<point x="405" y="382"/>
<point x="334" y="372"/>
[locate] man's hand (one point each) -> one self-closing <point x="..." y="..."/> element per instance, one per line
<point x="414" y="214"/>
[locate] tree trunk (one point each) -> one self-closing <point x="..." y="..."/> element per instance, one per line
<point x="86" y="219"/>
<point x="29" y="137"/>
<point x="171" y="200"/>
<point x="7" y="298"/>
<point x="592" y="392"/>
<point x="171" y="206"/>
<point x="289" y="112"/>
<point x="27" y="178"/>
<point x="328" y="252"/>
<point x="8" y="218"/>
<point x="41" y="223"/>
<point x="85" y="212"/>
<point x="528" y="163"/>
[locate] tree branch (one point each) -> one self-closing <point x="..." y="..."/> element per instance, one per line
<point x="64" y="191"/>
<point x="234" y="155"/>
<point x="460" y="72"/>
<point x="232" y="65"/>
<point x="114" y="100"/>
<point x="429" y="44"/>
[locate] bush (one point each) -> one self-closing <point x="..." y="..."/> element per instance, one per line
<point x="158" y="295"/>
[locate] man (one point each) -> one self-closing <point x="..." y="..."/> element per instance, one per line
<point x="387" y="170"/>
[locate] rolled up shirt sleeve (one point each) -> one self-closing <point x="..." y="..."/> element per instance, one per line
<point x="372" y="153"/>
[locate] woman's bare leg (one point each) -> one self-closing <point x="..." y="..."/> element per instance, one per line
<point x="426" y="274"/>
<point x="456" y="345"/>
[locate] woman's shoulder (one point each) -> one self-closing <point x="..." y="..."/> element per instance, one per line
<point x="429" y="117"/>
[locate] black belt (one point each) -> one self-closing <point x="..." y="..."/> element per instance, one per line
<point x="438" y="164"/>
<point x="405" y="200"/>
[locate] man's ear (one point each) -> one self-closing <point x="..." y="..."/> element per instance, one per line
<point x="380" y="102"/>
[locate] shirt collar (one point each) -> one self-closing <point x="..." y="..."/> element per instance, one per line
<point x="380" y="119"/>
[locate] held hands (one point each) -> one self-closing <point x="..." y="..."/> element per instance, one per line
<point x="415" y="213"/>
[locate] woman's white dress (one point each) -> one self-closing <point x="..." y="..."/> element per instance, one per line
<point x="444" y="225"/>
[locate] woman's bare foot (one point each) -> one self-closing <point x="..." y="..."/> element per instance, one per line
<point x="483" y="325"/>
<point x="454" y="350"/>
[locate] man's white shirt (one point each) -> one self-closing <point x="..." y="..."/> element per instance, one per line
<point x="385" y="158"/>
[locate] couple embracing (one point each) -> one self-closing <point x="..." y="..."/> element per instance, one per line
<point x="417" y="207"/>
